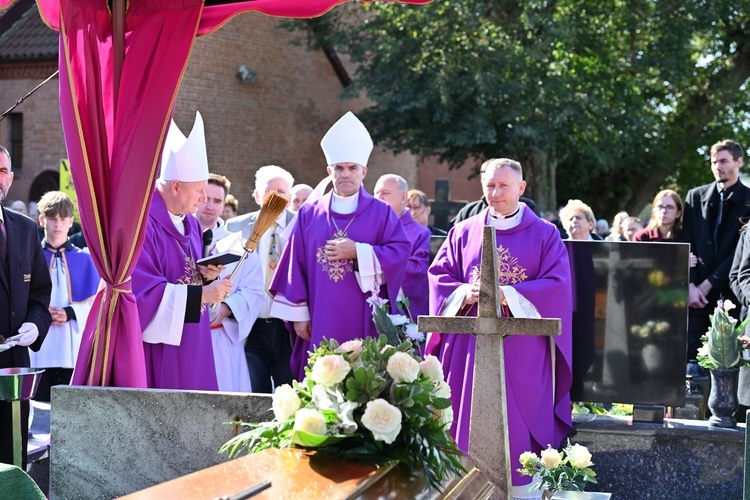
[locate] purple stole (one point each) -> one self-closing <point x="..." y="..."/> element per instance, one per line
<point x="338" y="307"/>
<point x="532" y="258"/>
<point x="168" y="257"/>
<point x="415" y="285"/>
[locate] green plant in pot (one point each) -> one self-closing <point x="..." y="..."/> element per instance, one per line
<point x="724" y="350"/>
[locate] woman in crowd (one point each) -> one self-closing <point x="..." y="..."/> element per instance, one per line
<point x="578" y="220"/>
<point x="629" y="227"/>
<point x="666" y="218"/>
<point x="614" y="233"/>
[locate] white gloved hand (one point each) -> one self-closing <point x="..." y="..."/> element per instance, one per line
<point x="5" y="347"/>
<point x="27" y="334"/>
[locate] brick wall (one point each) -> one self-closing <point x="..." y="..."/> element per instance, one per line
<point x="43" y="143"/>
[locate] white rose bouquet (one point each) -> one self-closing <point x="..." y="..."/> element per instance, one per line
<point x="364" y="400"/>
<point x="569" y="470"/>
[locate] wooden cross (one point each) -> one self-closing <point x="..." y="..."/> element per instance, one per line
<point x="488" y="442"/>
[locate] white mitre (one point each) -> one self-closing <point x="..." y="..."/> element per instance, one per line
<point x="348" y="141"/>
<point x="185" y="158"/>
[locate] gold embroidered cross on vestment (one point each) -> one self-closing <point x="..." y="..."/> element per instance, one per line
<point x="509" y="271"/>
<point x="336" y="269"/>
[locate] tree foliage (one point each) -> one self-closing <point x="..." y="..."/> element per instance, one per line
<point x="606" y="101"/>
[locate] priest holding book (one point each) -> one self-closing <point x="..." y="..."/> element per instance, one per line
<point x="173" y="292"/>
<point x="345" y="247"/>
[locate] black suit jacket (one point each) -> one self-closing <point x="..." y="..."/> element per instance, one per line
<point x="25" y="290"/>
<point x="714" y="261"/>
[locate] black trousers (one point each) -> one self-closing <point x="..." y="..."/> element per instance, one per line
<point x="267" y="350"/>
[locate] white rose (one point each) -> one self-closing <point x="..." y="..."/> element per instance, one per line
<point x="383" y="420"/>
<point x="285" y="402"/>
<point x="432" y="368"/>
<point x="403" y="368"/>
<point x="527" y="458"/>
<point x="446" y="417"/>
<point x="330" y="370"/>
<point x="703" y="350"/>
<point x="442" y="389"/>
<point x="579" y="456"/>
<point x="551" y="458"/>
<point x="310" y="421"/>
<point x="728" y="305"/>
<point x="353" y="348"/>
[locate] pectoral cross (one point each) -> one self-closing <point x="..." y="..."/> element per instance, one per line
<point x="489" y="443"/>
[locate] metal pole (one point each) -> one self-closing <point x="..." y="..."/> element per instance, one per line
<point x="17" y="448"/>
<point x="118" y="46"/>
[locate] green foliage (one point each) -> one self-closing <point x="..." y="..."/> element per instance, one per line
<point x="582" y="92"/>
<point x="422" y="403"/>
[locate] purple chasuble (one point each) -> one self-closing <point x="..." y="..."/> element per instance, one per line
<point x="338" y="307"/>
<point x="533" y="260"/>
<point x="414" y="284"/>
<point x="169" y="257"/>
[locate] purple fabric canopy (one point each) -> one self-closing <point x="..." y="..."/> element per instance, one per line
<point x="114" y="144"/>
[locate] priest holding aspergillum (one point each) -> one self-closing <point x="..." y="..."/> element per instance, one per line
<point x="172" y="291"/>
<point x="534" y="282"/>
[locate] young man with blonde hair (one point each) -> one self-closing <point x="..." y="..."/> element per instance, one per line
<point x="75" y="280"/>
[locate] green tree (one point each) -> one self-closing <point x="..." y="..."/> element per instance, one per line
<point x="603" y="101"/>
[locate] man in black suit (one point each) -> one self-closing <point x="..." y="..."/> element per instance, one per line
<point x="25" y="289"/>
<point x="711" y="224"/>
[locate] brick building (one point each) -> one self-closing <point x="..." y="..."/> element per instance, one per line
<point x="277" y="114"/>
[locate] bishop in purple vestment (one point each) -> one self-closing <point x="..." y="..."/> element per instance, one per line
<point x="534" y="279"/>
<point x="168" y="284"/>
<point x="344" y="246"/>
<point x="394" y="190"/>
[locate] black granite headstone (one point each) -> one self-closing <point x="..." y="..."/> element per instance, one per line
<point x="629" y="321"/>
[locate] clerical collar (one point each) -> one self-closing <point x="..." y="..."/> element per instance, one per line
<point x="178" y="221"/>
<point x="344" y="205"/>
<point x="507" y="221"/>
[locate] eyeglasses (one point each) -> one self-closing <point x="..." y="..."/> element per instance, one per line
<point x="666" y="208"/>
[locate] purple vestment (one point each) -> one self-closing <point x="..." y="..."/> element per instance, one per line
<point x="338" y="307"/>
<point x="532" y="259"/>
<point x="414" y="284"/>
<point x="169" y="257"/>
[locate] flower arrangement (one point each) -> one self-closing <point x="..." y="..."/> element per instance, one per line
<point x="724" y="346"/>
<point x="397" y="328"/>
<point x="368" y="401"/>
<point x="650" y="330"/>
<point x="569" y="470"/>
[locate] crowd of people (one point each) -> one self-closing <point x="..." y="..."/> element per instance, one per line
<point x="325" y="257"/>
